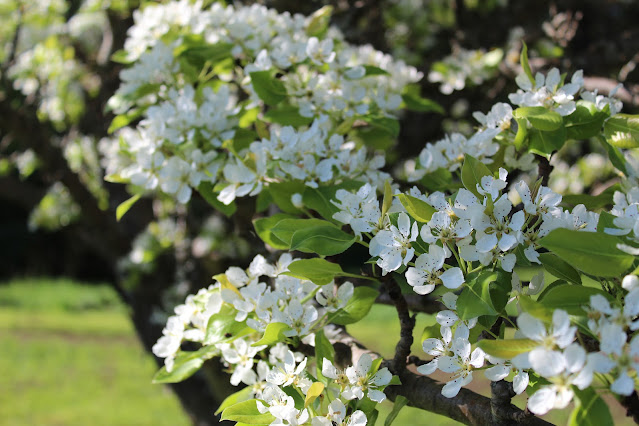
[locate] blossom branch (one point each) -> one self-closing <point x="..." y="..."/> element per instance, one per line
<point x="407" y="324"/>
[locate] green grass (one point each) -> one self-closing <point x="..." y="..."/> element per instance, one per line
<point x="62" y="364"/>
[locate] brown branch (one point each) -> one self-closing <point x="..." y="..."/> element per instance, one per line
<point x="631" y="404"/>
<point x="544" y="169"/>
<point x="407" y="324"/>
<point x="422" y="392"/>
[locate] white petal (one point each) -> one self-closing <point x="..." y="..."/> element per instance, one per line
<point x="452" y="278"/>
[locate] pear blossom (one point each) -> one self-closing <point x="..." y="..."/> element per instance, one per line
<point x="393" y="246"/>
<point x="362" y="381"/>
<point x="428" y="272"/>
<point x="461" y="363"/>
<point x="334" y="299"/>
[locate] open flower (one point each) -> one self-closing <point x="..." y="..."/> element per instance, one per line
<point x="428" y="272"/>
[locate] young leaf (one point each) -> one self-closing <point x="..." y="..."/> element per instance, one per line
<point x="273" y="334"/>
<point x="590" y="409"/>
<point x="284" y="229"/>
<point x="508" y="348"/>
<point x="319" y="271"/>
<point x="622" y="131"/>
<point x="205" y="189"/>
<point x="525" y="66"/>
<point x="268" y="88"/>
<point x="222" y="328"/>
<point x="570" y="298"/>
<point x="313" y="392"/>
<point x="400" y="402"/>
<point x="234" y="398"/>
<point x="318" y="22"/>
<point x="585" y="122"/>
<point x="591" y="252"/>
<point x="544" y="143"/>
<point x="325" y="240"/>
<point x="539" y="117"/>
<point x="472" y="172"/>
<point x="356" y="308"/>
<point x="388" y="198"/>
<point x="264" y="228"/>
<point x="125" y="206"/>
<point x="418" y="209"/>
<point x="475" y="300"/>
<point x="287" y="115"/>
<point x="559" y="268"/>
<point x="247" y="412"/>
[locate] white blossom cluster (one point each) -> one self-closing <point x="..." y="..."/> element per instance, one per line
<point x="495" y="126"/>
<point x="243" y="295"/>
<point x="452" y="353"/>
<point x="186" y="134"/>
<point x="613" y="325"/>
<point x="462" y="66"/>
<point x="480" y="229"/>
<point x="626" y="210"/>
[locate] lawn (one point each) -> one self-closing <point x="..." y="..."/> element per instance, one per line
<point x="70" y="357"/>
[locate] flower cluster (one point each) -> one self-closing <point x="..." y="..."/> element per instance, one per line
<point x="190" y="136"/>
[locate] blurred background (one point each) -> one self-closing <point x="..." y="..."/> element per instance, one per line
<point x="83" y="297"/>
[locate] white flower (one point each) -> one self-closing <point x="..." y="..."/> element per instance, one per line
<point x="545" y="359"/>
<point x="286" y="373"/>
<point x="393" y="246"/>
<point x="427" y="272"/>
<point x="440" y="227"/>
<point x="361" y="381"/>
<point x="462" y="364"/>
<point x="320" y="52"/>
<point x="334" y="300"/>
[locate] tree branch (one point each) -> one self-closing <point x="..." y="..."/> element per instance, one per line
<point x="407" y="324"/>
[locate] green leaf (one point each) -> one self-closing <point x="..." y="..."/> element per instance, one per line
<point x="387" y="201"/>
<point x="121" y="57"/>
<point x="185" y="364"/>
<point x="591" y="252"/>
<point x="320" y="271"/>
<point x="419" y="104"/>
<point x="400" y="402"/>
<point x="239" y="396"/>
<point x="606" y="220"/>
<point x="318" y="22"/>
<point x="284" y="228"/>
<point x="585" y="122"/>
<point x="287" y="115"/>
<point x="525" y="66"/>
<point x="540" y="117"/>
<point x="472" y="172"/>
<point x="319" y="199"/>
<point x="559" y="268"/>
<point x="592" y="202"/>
<point x="614" y="155"/>
<point x="536" y="309"/>
<point x="268" y="88"/>
<point x="570" y="298"/>
<point x="125" y="206"/>
<point x="590" y="409"/>
<point x="123" y="120"/>
<point x="507" y="348"/>
<point x="388" y="125"/>
<point x="247" y="412"/>
<point x="475" y="300"/>
<point x="323" y="350"/>
<point x="522" y="132"/>
<point x="372" y="70"/>
<point x="418" y="209"/>
<point x="264" y="228"/>
<point x="313" y="392"/>
<point x="622" y="131"/>
<point x="222" y="328"/>
<point x="545" y="143"/>
<point x="274" y="333"/>
<point x="198" y="52"/>
<point x="281" y="192"/>
<point x="356" y="308"/>
<point x="205" y="189"/>
<point x="325" y="240"/>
